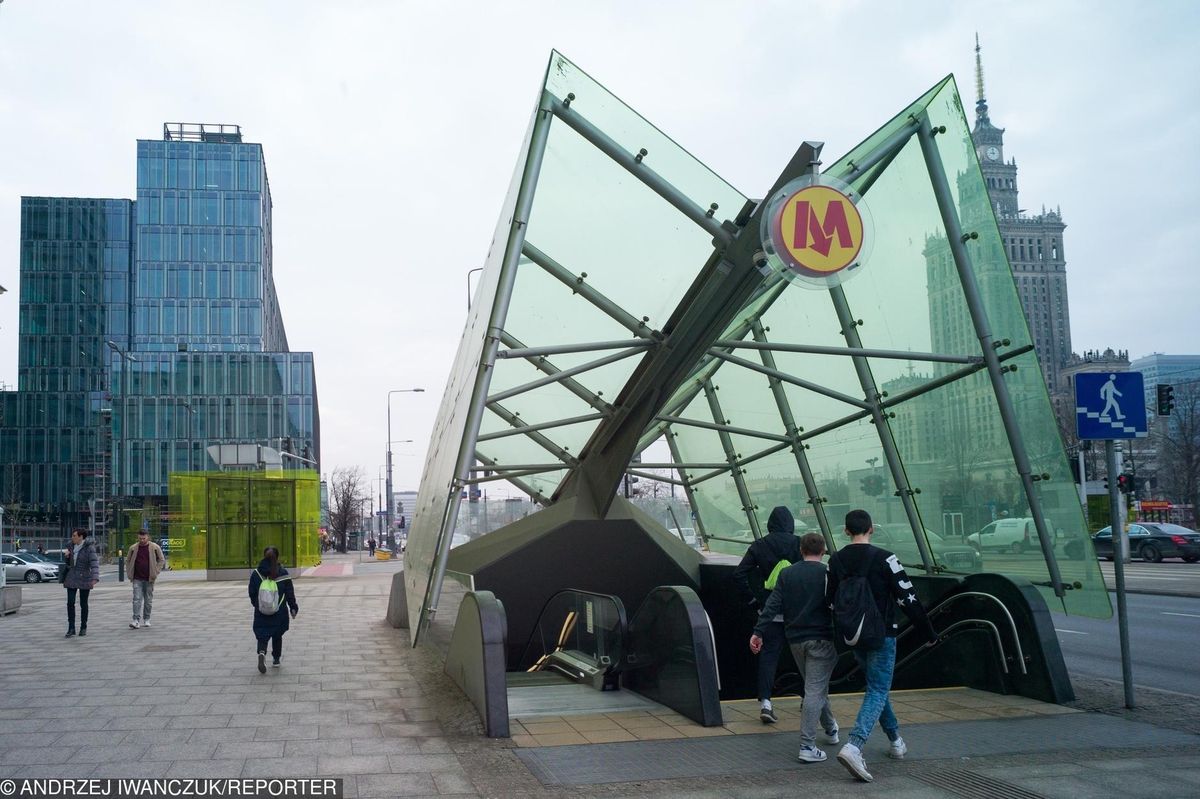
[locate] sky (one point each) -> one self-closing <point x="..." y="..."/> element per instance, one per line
<point x="391" y="128"/>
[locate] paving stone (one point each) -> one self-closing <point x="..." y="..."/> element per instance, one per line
<point x="352" y="764"/>
<point x="391" y="785"/>
<point x="106" y="754"/>
<point x="288" y="733"/>
<point x="313" y="749"/>
<point x="206" y="768"/>
<point x="246" y="750"/>
<point x="191" y="750"/>
<point x="408" y="763"/>
<point x="281" y="767"/>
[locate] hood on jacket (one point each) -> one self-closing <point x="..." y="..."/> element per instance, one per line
<point x="780" y="521"/>
<point x="264" y="568"/>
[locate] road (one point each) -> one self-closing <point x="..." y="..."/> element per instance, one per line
<point x="1163" y="631"/>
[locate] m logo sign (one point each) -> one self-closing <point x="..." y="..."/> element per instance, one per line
<point x="817" y="231"/>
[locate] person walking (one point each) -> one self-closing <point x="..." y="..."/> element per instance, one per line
<point x="750" y="576"/>
<point x="888" y="586"/>
<point x="143" y="564"/>
<point x="270" y="589"/>
<point x="799" y="595"/>
<point x="82" y="574"/>
<point x="371" y="547"/>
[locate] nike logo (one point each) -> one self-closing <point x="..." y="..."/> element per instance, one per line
<point x="853" y="641"/>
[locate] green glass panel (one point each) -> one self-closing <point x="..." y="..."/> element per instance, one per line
<point x="228" y="546"/>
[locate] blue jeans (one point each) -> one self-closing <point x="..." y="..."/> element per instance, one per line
<point x="768" y="658"/>
<point x="878" y="666"/>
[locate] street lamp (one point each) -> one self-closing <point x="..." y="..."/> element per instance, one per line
<point x="388" y="512"/>
<point x="191" y="416"/>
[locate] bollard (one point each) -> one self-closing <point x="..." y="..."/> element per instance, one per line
<point x="120" y="567"/>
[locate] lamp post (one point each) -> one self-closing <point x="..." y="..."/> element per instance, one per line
<point x="388" y="512"/>
<point x="191" y="417"/>
<point x="118" y="464"/>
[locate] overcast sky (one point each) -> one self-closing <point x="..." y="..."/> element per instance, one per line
<point x="391" y="128"/>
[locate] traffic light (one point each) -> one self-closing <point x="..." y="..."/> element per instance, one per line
<point x="1166" y="399"/>
<point x="1125" y="483"/>
<point x="872" y="485"/>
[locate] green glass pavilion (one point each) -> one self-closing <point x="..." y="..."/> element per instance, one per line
<point x="629" y="305"/>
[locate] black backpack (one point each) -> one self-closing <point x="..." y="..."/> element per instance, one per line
<point x="856" y="616"/>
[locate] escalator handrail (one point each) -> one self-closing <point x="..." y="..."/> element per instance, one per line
<point x="622" y="618"/>
<point x="947" y="601"/>
<point x="995" y="632"/>
<point x="1011" y="622"/>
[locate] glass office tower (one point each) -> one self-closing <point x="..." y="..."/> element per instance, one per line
<point x="211" y="364"/>
<point x="75" y="263"/>
<point x="152" y="341"/>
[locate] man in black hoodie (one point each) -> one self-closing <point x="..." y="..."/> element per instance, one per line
<point x="890" y="587"/>
<point x="780" y="543"/>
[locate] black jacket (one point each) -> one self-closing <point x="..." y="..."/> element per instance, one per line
<point x="780" y="543"/>
<point x="799" y="596"/>
<point x="278" y="622"/>
<point x="889" y="583"/>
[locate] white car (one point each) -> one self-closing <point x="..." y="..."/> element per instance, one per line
<point x="28" y="568"/>
<point x="687" y="534"/>
<point x="1008" y="535"/>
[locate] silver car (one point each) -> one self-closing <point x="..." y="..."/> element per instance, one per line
<point x="28" y="568"/>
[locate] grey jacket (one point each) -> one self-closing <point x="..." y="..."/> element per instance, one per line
<point x="83" y="569"/>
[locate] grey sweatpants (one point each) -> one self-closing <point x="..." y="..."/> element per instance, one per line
<point x="143" y="598"/>
<point x="815" y="660"/>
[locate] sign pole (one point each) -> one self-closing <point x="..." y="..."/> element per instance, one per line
<point x="1120" y="541"/>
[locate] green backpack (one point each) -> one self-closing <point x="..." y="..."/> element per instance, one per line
<point x="773" y="577"/>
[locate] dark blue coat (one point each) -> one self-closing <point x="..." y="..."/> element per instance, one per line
<point x="277" y="623"/>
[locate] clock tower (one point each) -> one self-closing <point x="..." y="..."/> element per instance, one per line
<point x="1032" y="242"/>
<point x="1000" y="177"/>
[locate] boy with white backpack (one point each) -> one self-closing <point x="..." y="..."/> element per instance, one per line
<point x="270" y="589"/>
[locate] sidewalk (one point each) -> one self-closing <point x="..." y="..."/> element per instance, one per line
<point x="353" y="700"/>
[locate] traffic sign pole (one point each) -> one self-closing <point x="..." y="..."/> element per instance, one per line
<point x="1120" y="540"/>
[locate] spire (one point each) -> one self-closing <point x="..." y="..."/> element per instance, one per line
<point x="981" y="109"/>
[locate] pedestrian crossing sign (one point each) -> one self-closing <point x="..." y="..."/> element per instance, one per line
<point x="1110" y="405"/>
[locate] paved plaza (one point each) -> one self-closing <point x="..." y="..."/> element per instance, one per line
<point x="353" y="700"/>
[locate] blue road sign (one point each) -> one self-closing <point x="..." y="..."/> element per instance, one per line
<point x="1110" y="405"/>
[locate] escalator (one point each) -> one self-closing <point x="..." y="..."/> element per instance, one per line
<point x="585" y="655"/>
<point x="578" y="638"/>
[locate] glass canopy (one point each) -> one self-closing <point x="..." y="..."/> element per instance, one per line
<point x="877" y="393"/>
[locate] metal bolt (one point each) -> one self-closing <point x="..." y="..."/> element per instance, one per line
<point x="642" y="153"/>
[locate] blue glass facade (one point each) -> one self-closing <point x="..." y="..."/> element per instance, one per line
<point x="76" y="256"/>
<point x="150" y="333"/>
<point x="203" y="277"/>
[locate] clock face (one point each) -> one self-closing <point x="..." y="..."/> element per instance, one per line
<point x="992" y="153"/>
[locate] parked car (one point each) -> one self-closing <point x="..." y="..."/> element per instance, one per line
<point x="27" y="566"/>
<point x="687" y="534"/>
<point x="1008" y="535"/>
<point x="898" y="538"/>
<point x="1150" y="541"/>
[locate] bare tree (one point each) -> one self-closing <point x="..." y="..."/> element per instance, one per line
<point x="1179" y="447"/>
<point x="347" y="491"/>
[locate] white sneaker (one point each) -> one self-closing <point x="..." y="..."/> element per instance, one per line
<point x="811" y="754"/>
<point x="898" y="749"/>
<point x="146" y="623"/>
<point x="133" y="625"/>
<point x="831" y="736"/>
<point x="851" y="757"/>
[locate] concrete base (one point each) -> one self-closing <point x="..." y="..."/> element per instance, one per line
<point x="397" y="611"/>
<point x="10" y="599"/>
<point x="227" y="575"/>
